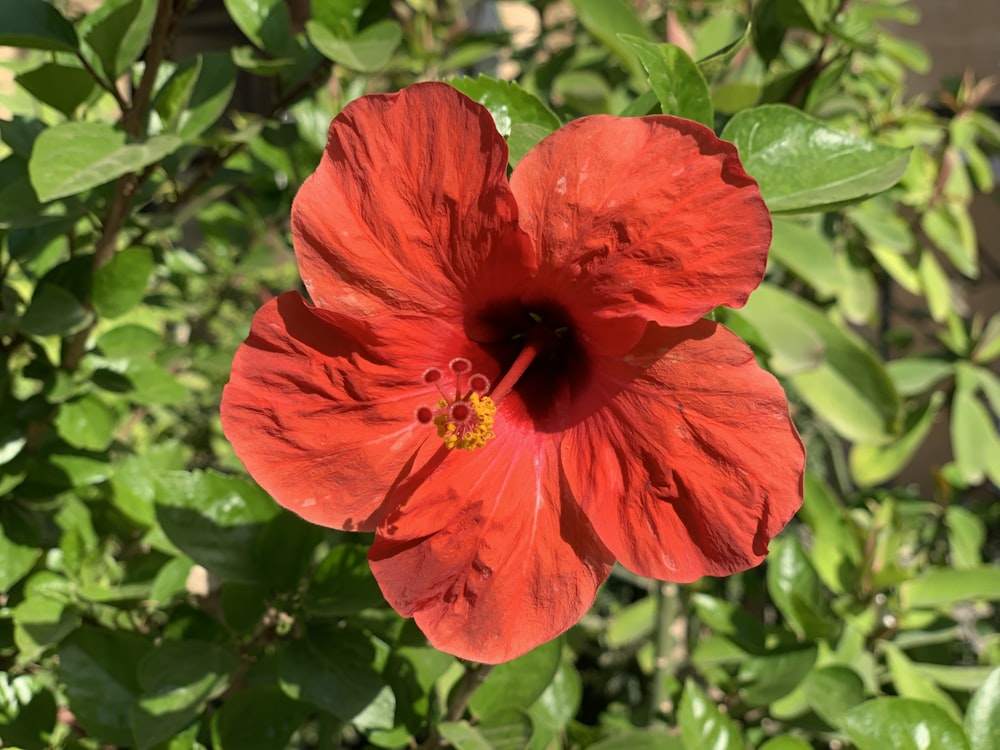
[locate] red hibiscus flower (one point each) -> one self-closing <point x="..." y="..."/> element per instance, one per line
<point x="511" y="382"/>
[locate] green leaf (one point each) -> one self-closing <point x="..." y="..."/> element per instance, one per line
<point x="509" y="104"/>
<point x="257" y="718"/>
<point x="916" y="375"/>
<point x="632" y="624"/>
<point x="177" y="680"/>
<point x="832" y="691"/>
<point x="343" y="583"/>
<point x="40" y="622"/>
<point x="808" y="254"/>
<point x="796" y="590"/>
<point x="560" y="702"/>
<point x="902" y="724"/>
<point x="117" y="31"/>
<point x="786" y="742"/>
<point x="910" y="683"/>
<point x="87" y="423"/>
<point x="462" y="736"/>
<point x="16" y="560"/>
<point x="834" y="371"/>
<point x="974" y="440"/>
<point x="339" y="15"/>
<point x="518" y="683"/>
<point x="197" y="94"/>
<point x="703" y="725"/>
<point x="677" y="81"/>
<point x="216" y="520"/>
<point x="951" y="229"/>
<point x="367" y="52"/>
<point x="982" y="718"/>
<point x="940" y="586"/>
<point x="836" y="550"/>
<point x="813" y="15"/>
<point x="64" y="87"/>
<point x="266" y="23"/>
<point x="128" y="341"/>
<point x="715" y="65"/>
<point x="54" y="312"/>
<point x="966" y="537"/>
<point x="803" y="165"/>
<point x="120" y="284"/>
<point x="333" y="670"/>
<point x="99" y="668"/>
<point x="34" y="24"/>
<point x="643" y="739"/>
<point x="874" y="464"/>
<point x="772" y="676"/>
<point x="76" y="156"/>
<point x="607" y="20"/>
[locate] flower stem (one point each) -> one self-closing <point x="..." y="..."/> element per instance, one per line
<point x="474" y="676"/>
<point x="664" y="645"/>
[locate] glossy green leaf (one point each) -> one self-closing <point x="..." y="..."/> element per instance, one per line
<point x="796" y="590"/>
<point x="716" y="64"/>
<point x="120" y="284"/>
<point x="339" y="15"/>
<point x="258" y="718"/>
<point x="834" y="371"/>
<point x="331" y="670"/>
<point x="76" y="156"/>
<point x="631" y="624"/>
<point x="266" y="23"/>
<point x="910" y="683"/>
<point x="518" y="683"/>
<point x="100" y="670"/>
<point x="87" y="423"/>
<point x="607" y="20"/>
<point x="54" y="311"/>
<point x="982" y="718"/>
<point x="509" y="104"/>
<point x="216" y="520"/>
<point x="786" y="743"/>
<point x="177" y="680"/>
<point x="197" y="94"/>
<point x="35" y="24"/>
<point x="832" y="691"/>
<point x="902" y="724"/>
<point x="703" y="726"/>
<point x="116" y="32"/>
<point x="649" y="739"/>
<point x="39" y="623"/>
<point x="463" y="736"/>
<point x="874" y="464"/>
<point x="808" y="254"/>
<point x="343" y="583"/>
<point x="803" y="165"/>
<point x="367" y="52"/>
<point x="62" y="86"/>
<point x="678" y="83"/>
<point x="941" y="586"/>
<point x="916" y="375"/>
<point x="768" y="677"/>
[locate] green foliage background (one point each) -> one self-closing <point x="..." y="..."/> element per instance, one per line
<point x="154" y="597"/>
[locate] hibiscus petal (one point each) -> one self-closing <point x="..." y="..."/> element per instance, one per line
<point x="490" y="554"/>
<point x="693" y="464"/>
<point x="652" y="217"/>
<point x="322" y="412"/>
<point x="409" y="209"/>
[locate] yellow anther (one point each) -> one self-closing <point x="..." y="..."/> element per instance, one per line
<point x="466" y="424"/>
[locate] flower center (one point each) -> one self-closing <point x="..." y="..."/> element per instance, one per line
<point x="464" y="415"/>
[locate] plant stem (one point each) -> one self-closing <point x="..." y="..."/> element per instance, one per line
<point x="664" y="645"/>
<point x="474" y="676"/>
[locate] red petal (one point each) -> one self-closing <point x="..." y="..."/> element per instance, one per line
<point x="410" y="209"/>
<point x="650" y="217"/>
<point x="694" y="464"/>
<point x="491" y="555"/>
<point x="322" y="416"/>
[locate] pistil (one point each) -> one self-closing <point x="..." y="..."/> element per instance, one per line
<point x="537" y="340"/>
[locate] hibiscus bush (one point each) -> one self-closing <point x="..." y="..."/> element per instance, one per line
<point x="153" y="595"/>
